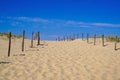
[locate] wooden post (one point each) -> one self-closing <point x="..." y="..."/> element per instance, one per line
<point x="116" y="43"/>
<point x="23" y="41"/>
<point x="70" y="38"/>
<point x="82" y="36"/>
<point x="74" y="37"/>
<point x="103" y="40"/>
<point x="9" y="44"/>
<point x="87" y="38"/>
<point x="58" y="38"/>
<point x="94" y="39"/>
<point x="61" y="39"/>
<point x="38" y="38"/>
<point x="67" y="38"/>
<point x="64" y="38"/>
<point x="32" y="40"/>
<point x="77" y="36"/>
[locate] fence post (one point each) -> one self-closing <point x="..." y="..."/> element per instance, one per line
<point x="94" y="39"/>
<point x="82" y="36"/>
<point x="116" y="43"/>
<point x="38" y="38"/>
<point x="77" y="36"/>
<point x="32" y="40"/>
<point x="64" y="38"/>
<point x="103" y="40"/>
<point x="87" y="38"/>
<point x="74" y="37"/>
<point x="67" y="38"/>
<point x="61" y="39"/>
<point x="118" y="39"/>
<point x="9" y="44"/>
<point x="23" y="40"/>
<point x="58" y="38"/>
<point x="70" y="37"/>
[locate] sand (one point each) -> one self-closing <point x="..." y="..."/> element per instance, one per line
<point x="52" y="60"/>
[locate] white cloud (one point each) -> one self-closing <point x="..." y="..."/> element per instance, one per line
<point x="46" y="23"/>
<point x="15" y="23"/>
<point x="106" y="24"/>
<point x="28" y="19"/>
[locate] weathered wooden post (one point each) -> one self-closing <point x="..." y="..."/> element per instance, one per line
<point x="38" y="38"/>
<point x="77" y="36"/>
<point x="32" y="40"/>
<point x="71" y="38"/>
<point x="103" y="40"/>
<point x="74" y="37"/>
<point x="58" y="38"/>
<point x="87" y="38"/>
<point x="82" y="36"/>
<point x="36" y="35"/>
<point x="9" y="48"/>
<point x="94" y="39"/>
<point x="67" y="38"/>
<point x="61" y="39"/>
<point x="116" y="43"/>
<point x="64" y="38"/>
<point x="23" y="40"/>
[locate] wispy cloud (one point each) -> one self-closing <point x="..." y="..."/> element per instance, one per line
<point x="53" y="23"/>
<point x="106" y="25"/>
<point x="15" y="23"/>
<point x="28" y="19"/>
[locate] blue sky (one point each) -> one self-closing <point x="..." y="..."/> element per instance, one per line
<point x="60" y="17"/>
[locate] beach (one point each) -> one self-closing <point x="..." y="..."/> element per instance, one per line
<point x="60" y="60"/>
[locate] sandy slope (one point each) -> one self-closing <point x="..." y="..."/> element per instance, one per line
<point x="73" y="60"/>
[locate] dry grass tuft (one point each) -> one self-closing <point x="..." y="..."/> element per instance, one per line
<point x="113" y="39"/>
<point x="5" y="36"/>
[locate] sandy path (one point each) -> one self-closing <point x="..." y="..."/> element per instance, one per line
<point x="74" y="60"/>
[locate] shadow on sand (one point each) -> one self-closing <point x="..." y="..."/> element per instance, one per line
<point x="4" y="62"/>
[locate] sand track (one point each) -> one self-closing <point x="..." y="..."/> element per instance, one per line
<point x="74" y="60"/>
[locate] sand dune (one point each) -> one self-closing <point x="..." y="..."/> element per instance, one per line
<point x="73" y="60"/>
